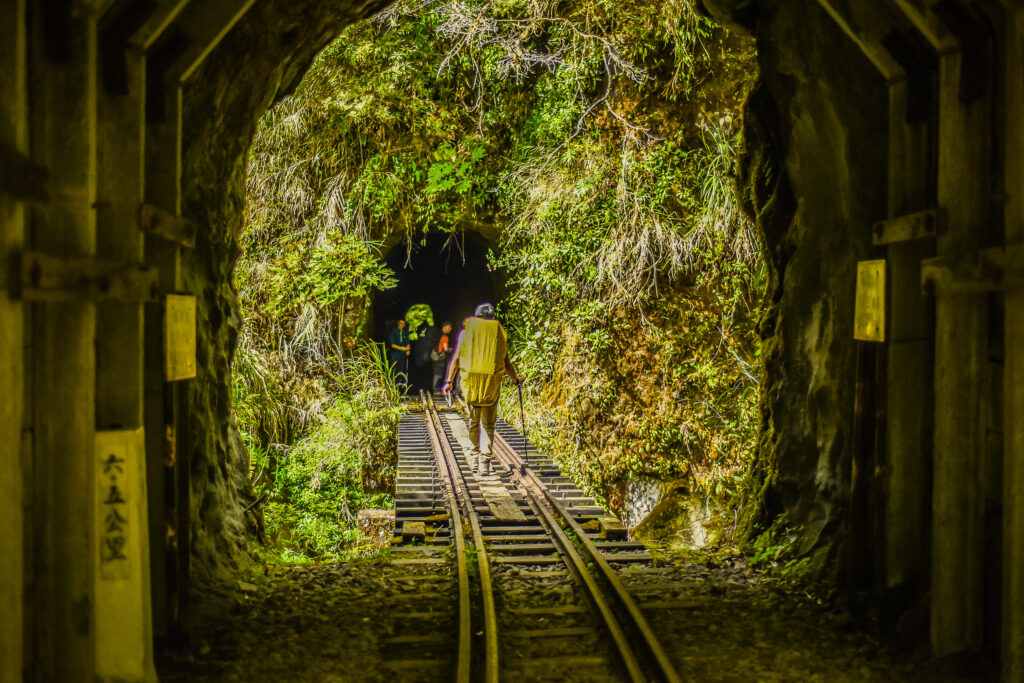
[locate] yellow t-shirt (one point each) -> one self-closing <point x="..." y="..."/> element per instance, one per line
<point x="481" y="351"/>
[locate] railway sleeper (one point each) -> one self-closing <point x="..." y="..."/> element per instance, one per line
<point x="524" y="548"/>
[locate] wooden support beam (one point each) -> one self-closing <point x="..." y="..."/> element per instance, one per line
<point x="156" y="221"/>
<point x="64" y="80"/>
<point x="918" y="12"/>
<point x="205" y="24"/>
<point x="961" y="364"/>
<point x="119" y="22"/>
<point x="974" y="36"/>
<point x="913" y="226"/>
<point x="997" y="269"/>
<point x="910" y="356"/>
<point x="51" y="278"/>
<point x="123" y="619"/>
<point x="163" y="97"/>
<point x="166" y="427"/>
<point x="413" y="532"/>
<point x="867" y="24"/>
<point x="20" y="178"/>
<point x="159" y="20"/>
<point x="910" y="49"/>
<point x="1012" y="650"/>
<point x="612" y="529"/>
<point x="15" y="453"/>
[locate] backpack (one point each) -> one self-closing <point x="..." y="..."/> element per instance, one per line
<point x="426" y="344"/>
<point x="436" y="354"/>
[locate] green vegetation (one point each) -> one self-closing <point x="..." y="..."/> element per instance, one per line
<point x="598" y="139"/>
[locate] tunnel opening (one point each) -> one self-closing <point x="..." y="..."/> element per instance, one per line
<point x="601" y="259"/>
<point x="825" y="182"/>
<point x="447" y="272"/>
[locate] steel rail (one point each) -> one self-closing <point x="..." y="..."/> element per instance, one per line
<point x="662" y="666"/>
<point x="586" y="580"/>
<point x="464" y="655"/>
<point x="490" y="615"/>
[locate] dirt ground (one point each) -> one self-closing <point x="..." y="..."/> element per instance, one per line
<point x="729" y="623"/>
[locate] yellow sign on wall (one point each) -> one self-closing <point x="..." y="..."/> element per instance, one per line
<point x="179" y="337"/>
<point x="123" y="627"/>
<point x="869" y="310"/>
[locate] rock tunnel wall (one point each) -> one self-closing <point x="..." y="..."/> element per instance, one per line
<point x="813" y="178"/>
<point x="261" y="60"/>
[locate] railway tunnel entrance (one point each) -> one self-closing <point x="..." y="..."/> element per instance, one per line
<point x="447" y="273"/>
<point x="877" y="131"/>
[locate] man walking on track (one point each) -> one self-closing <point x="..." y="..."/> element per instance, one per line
<point x="481" y="359"/>
<point x="398" y="352"/>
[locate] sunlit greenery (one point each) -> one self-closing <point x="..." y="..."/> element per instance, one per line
<point x="599" y="139"/>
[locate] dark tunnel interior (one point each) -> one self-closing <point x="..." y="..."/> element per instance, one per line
<point x="449" y="274"/>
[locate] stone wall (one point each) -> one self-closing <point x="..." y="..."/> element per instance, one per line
<point x="813" y="177"/>
<point x="259" y="62"/>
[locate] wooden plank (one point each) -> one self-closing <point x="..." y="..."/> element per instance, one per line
<point x="160" y="19"/>
<point x="1012" y="650"/>
<point x="568" y="663"/>
<point x="418" y="560"/>
<point x="869" y="312"/>
<point x="997" y="269"/>
<point x="20" y="178"/>
<point x="562" y="632"/>
<point x="626" y="556"/>
<point x="155" y="221"/>
<point x="123" y="610"/>
<point x="50" y="278"/>
<point x="935" y="32"/>
<point x="522" y="547"/>
<point x="416" y="664"/>
<point x="914" y="226"/>
<point x="552" y="609"/>
<point x="673" y="604"/>
<point x="528" y="559"/>
<point x="516" y="538"/>
<point x="413" y="532"/>
<point x="540" y="574"/>
<point x="866" y="24"/>
<point x="205" y="24"/>
<point x="612" y="529"/>
<point x="180" y="337"/>
<point x="417" y="638"/>
<point x="910" y="355"/>
<point x="63" y="103"/>
<point x="961" y="346"/>
<point x="15" y="456"/>
<point x="505" y="509"/>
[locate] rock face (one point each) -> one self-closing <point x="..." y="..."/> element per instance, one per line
<point x="813" y="177"/>
<point x="681" y="519"/>
<point x="262" y="58"/>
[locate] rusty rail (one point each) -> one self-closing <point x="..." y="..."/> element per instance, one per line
<point x="452" y="475"/>
<point x="616" y="605"/>
<point x="453" y="498"/>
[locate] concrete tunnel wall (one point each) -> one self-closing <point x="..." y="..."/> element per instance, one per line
<point x="861" y="114"/>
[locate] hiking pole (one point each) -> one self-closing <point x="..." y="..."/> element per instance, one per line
<point x="522" y="421"/>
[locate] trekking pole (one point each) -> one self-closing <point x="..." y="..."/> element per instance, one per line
<point x="522" y="421"/>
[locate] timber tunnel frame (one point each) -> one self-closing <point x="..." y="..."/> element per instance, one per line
<point x="123" y="132"/>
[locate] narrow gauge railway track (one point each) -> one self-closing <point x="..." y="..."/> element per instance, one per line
<point x="539" y="596"/>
